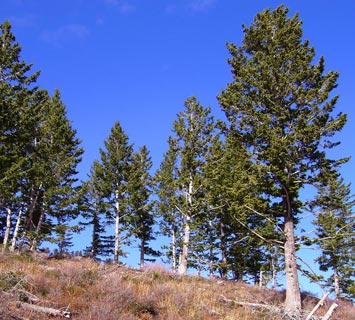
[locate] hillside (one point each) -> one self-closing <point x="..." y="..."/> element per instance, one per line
<point x="35" y="287"/>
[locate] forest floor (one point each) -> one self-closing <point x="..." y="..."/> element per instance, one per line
<point x="36" y="287"/>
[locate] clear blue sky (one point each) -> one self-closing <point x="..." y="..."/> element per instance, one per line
<point x="137" y="61"/>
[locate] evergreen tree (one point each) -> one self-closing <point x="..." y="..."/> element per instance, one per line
<point x="16" y="90"/>
<point x="165" y="188"/>
<point x="279" y="104"/>
<point x="54" y="157"/>
<point x="94" y="210"/>
<point x="141" y="219"/>
<point x="116" y="162"/>
<point x="193" y="131"/>
<point x="335" y="226"/>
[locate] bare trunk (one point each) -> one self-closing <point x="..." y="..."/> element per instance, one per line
<point x="187" y="230"/>
<point x="16" y="231"/>
<point x="38" y="229"/>
<point x="336" y="283"/>
<point x="293" y="295"/>
<point x="211" y="255"/>
<point x="142" y="254"/>
<point x="117" y="232"/>
<point x="173" y="243"/>
<point x="28" y="224"/>
<point x="185" y="249"/>
<point x="7" y="230"/>
<point x="261" y="278"/>
<point x="223" y="269"/>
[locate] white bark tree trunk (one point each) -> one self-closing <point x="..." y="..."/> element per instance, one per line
<point x="185" y="248"/>
<point x="187" y="230"/>
<point x="173" y="244"/>
<point x="293" y="295"/>
<point x="16" y="231"/>
<point x="117" y="232"/>
<point x="7" y="230"/>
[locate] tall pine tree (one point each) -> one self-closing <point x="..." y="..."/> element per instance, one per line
<point x="335" y="227"/>
<point x="279" y="103"/>
<point x="116" y="162"/>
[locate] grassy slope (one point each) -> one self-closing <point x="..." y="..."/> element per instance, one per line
<point x="104" y="292"/>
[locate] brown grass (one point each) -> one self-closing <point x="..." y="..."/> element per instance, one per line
<point x="93" y="291"/>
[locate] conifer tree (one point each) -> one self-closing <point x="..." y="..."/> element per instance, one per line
<point x="193" y="134"/>
<point x="116" y="162"/>
<point x="16" y="90"/>
<point x="335" y="227"/>
<point x="94" y="209"/>
<point x="279" y="104"/>
<point x="165" y="187"/>
<point x="141" y="219"/>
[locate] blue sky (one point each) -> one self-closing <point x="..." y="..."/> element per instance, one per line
<point x="137" y="61"/>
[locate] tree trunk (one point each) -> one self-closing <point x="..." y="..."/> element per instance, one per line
<point x="173" y="243"/>
<point x="223" y="269"/>
<point x="336" y="283"/>
<point x="185" y="248"/>
<point x="142" y="254"/>
<point x="17" y="228"/>
<point x="38" y="228"/>
<point x="7" y="230"/>
<point x="293" y="295"/>
<point x="117" y="232"/>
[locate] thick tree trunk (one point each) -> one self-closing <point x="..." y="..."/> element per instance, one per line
<point x="293" y="295"/>
<point x="7" y="230"/>
<point x="185" y="248"/>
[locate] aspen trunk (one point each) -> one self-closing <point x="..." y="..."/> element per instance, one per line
<point x="7" y="230"/>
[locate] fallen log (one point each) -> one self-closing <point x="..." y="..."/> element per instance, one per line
<point x="253" y="305"/>
<point x="46" y="310"/>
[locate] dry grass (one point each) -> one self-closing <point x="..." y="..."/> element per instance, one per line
<point x="106" y="292"/>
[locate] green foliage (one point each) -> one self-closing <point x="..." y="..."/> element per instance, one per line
<point x="335" y="226"/>
<point x="39" y="151"/>
<point x="280" y="107"/>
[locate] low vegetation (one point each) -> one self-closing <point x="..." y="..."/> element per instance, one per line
<point x="35" y="287"/>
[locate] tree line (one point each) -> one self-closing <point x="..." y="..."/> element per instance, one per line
<point x="227" y="192"/>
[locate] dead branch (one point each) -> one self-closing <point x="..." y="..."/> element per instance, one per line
<point x="253" y="305"/>
<point x="320" y="303"/>
<point x="330" y="311"/>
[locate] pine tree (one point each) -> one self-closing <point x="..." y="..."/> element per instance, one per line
<point x="165" y="188"/>
<point x="279" y="104"/>
<point x="116" y="162"/>
<point x="335" y="226"/>
<point x="16" y="92"/>
<point x="193" y="134"/>
<point x="94" y="209"/>
<point x="141" y="220"/>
